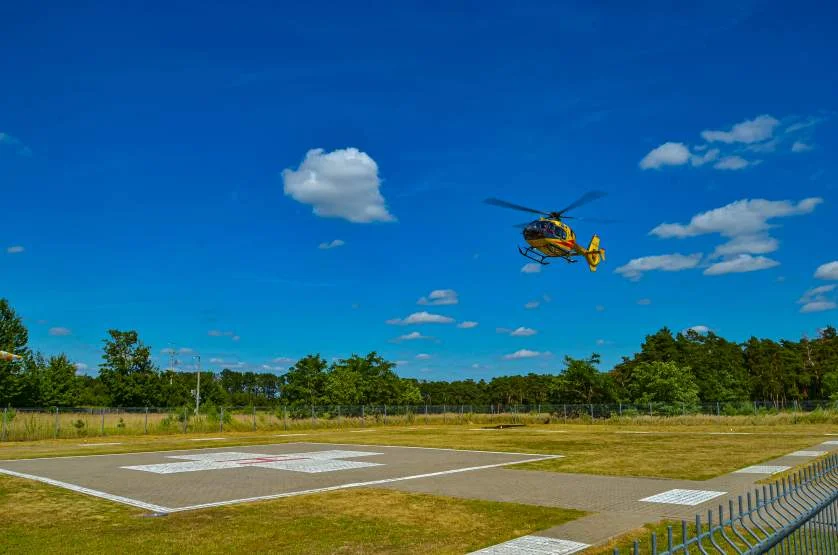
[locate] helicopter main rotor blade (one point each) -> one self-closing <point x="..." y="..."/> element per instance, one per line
<point x="584" y="199"/>
<point x="505" y="204"/>
<point x="596" y="220"/>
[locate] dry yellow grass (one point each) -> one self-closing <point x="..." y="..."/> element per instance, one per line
<point x="42" y="519"/>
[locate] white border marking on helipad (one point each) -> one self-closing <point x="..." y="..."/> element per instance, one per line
<point x="97" y="444"/>
<point x="352" y="485"/>
<point x="830" y="442"/>
<point x="807" y="453"/>
<point x="289" y="435"/>
<point x="762" y="469"/>
<point x="88" y="491"/>
<point x="208" y="439"/>
<point x="683" y="496"/>
<point x="545" y="455"/>
<point x="359" y="431"/>
<point x="536" y="545"/>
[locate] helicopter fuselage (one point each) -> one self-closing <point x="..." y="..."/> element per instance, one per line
<point x="550" y="237"/>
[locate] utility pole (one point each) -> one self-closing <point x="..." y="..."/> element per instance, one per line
<point x="198" y="392"/>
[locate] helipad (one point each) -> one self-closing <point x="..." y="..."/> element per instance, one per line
<point x="171" y="481"/>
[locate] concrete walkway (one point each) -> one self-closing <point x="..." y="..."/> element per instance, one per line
<point x="618" y="504"/>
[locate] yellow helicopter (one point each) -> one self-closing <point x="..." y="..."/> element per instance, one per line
<point x="550" y="237"/>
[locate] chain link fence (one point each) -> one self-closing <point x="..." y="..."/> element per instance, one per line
<point x="27" y="424"/>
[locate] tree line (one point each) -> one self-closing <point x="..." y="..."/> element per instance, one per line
<point x="683" y="368"/>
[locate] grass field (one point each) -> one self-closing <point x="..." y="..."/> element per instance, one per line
<point x="692" y="451"/>
<point x="41" y="519"/>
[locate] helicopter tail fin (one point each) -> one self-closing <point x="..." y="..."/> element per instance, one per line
<point x="594" y="254"/>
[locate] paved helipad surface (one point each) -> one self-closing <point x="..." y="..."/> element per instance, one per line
<point x="170" y="481"/>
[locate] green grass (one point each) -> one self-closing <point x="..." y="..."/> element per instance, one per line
<point x="690" y="451"/>
<point x="37" y="518"/>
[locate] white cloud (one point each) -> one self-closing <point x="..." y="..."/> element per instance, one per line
<point x="522" y="353"/>
<point x="635" y="268"/>
<point x="15" y="249"/>
<point x="799" y="146"/>
<point x="283" y="360"/>
<point x="423" y="356"/>
<point x="599" y="308"/>
<point x="750" y="244"/>
<point x="531" y="268"/>
<point x="340" y="184"/>
<point x="827" y="271"/>
<point x="818" y="306"/>
<point x="518" y="332"/>
<point x="733" y="163"/>
<point x="332" y="244"/>
<point x="644" y="301"/>
<point x="216" y="360"/>
<point x="815" y="299"/>
<point x="739" y="218"/>
<point x="698" y="329"/>
<point x="59" y="331"/>
<point x="707" y="157"/>
<point x="80" y="366"/>
<point x="600" y="342"/>
<point x="22" y="149"/>
<point x="439" y="297"/>
<point x="667" y="154"/>
<point x="749" y="131"/>
<point x="219" y="333"/>
<point x="235" y="338"/>
<point x="810" y="122"/>
<point x="467" y="324"/>
<point x="412" y="336"/>
<point x="532" y="304"/>
<point x="739" y="264"/>
<point x="421" y="318"/>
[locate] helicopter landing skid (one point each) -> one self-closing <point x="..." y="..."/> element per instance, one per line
<point x="538" y="257"/>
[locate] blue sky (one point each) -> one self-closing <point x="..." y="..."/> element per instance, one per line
<point x="176" y="169"/>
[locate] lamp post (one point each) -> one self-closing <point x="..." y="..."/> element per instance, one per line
<point x="198" y="391"/>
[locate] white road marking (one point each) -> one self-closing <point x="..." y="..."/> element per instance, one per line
<point x="534" y="545"/>
<point x="88" y="491"/>
<point x="359" y="431"/>
<point x="208" y="439"/>
<point x="97" y="444"/>
<point x="355" y="485"/>
<point x="683" y="496"/>
<point x="289" y="435"/>
<point x="807" y="453"/>
<point x="542" y="455"/>
<point x="762" y="469"/>
<point x="830" y="442"/>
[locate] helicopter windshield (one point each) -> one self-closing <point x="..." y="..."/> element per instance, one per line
<point x="542" y="229"/>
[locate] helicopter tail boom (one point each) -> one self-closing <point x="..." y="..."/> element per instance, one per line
<point x="594" y="254"/>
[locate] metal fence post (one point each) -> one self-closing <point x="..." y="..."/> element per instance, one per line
<point x="718" y="409"/>
<point x="592" y="411"/>
<point x="254" y="416"/>
<point x="650" y="408"/>
<point x="385" y="415"/>
<point x="285" y="417"/>
<point x="146" y="420"/>
<point x="103" y="421"/>
<point x="621" y="408"/>
<point x="3" y="431"/>
<point x="221" y="421"/>
<point x="185" y="419"/>
<point x="56" y="421"/>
